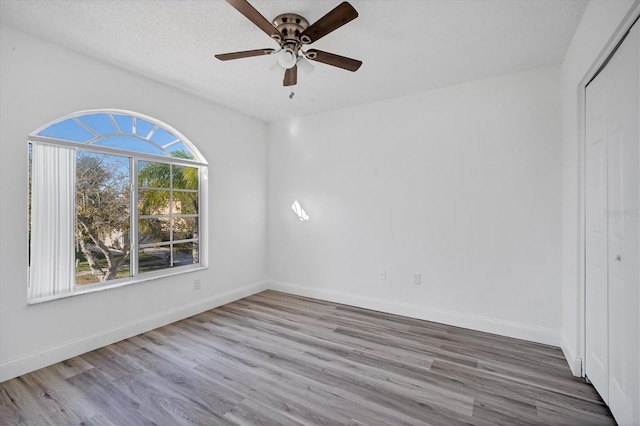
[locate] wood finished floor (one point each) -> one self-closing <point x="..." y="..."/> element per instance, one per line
<point x="274" y="359"/>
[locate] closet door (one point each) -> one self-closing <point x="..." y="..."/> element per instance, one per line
<point x="596" y="262"/>
<point x="624" y="197"/>
<point x="612" y="234"/>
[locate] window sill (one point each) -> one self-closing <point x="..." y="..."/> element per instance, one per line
<point x="92" y="288"/>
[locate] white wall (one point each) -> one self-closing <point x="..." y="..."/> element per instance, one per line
<point x="460" y="184"/>
<point x="40" y="82"/>
<point x="598" y="32"/>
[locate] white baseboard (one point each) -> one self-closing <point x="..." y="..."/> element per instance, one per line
<point x="575" y="363"/>
<point x="32" y="362"/>
<point x="490" y="325"/>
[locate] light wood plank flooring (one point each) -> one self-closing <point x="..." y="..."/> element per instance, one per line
<point x="274" y="359"/>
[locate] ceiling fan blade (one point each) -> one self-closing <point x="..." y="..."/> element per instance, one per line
<point x="244" y="54"/>
<point x="333" y="59"/>
<point x="290" y="76"/>
<point x="254" y="16"/>
<point x="333" y="20"/>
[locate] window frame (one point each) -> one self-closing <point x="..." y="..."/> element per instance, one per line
<point x="134" y="157"/>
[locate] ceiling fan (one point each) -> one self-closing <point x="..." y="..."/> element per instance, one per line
<point x="292" y="31"/>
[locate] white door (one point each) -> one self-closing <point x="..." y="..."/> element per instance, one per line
<point x="597" y="339"/>
<point x="612" y="231"/>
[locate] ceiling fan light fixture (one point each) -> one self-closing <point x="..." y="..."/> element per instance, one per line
<point x="287" y="58"/>
<point x="304" y="66"/>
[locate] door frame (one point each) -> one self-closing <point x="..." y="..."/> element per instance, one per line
<point x="598" y="64"/>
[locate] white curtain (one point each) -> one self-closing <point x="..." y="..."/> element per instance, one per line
<point x="53" y="170"/>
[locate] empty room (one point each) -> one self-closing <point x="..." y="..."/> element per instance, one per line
<point x="373" y="212"/>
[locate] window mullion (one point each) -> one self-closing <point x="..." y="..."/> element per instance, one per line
<point x="133" y="235"/>
<point x="171" y="207"/>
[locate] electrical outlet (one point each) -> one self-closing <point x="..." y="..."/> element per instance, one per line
<point x="197" y="284"/>
<point x="382" y="275"/>
<point x="417" y="279"/>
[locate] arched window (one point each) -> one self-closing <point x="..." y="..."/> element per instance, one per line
<point x="115" y="197"/>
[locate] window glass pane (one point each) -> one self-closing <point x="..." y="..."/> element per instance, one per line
<point x="154" y="258"/>
<point x="102" y="217"/>
<point x="130" y="143"/>
<point x="68" y="130"/>
<point x="155" y="230"/>
<point x="185" y="254"/>
<point x="153" y="202"/>
<point x="180" y="150"/>
<point x="124" y="123"/>
<point x="143" y="127"/>
<point x="185" y="228"/>
<point x="154" y="175"/>
<point x="101" y="123"/>
<point x="162" y="137"/>
<point x="185" y="177"/>
<point x="185" y="202"/>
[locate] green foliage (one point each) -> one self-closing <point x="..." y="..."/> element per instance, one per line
<point x="169" y="189"/>
<point x="160" y="178"/>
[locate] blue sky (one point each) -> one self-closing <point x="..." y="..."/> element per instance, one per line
<point x="123" y="137"/>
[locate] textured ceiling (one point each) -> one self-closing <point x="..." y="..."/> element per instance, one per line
<point x="407" y="46"/>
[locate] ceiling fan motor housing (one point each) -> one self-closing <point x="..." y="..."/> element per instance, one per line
<point x="290" y="25"/>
